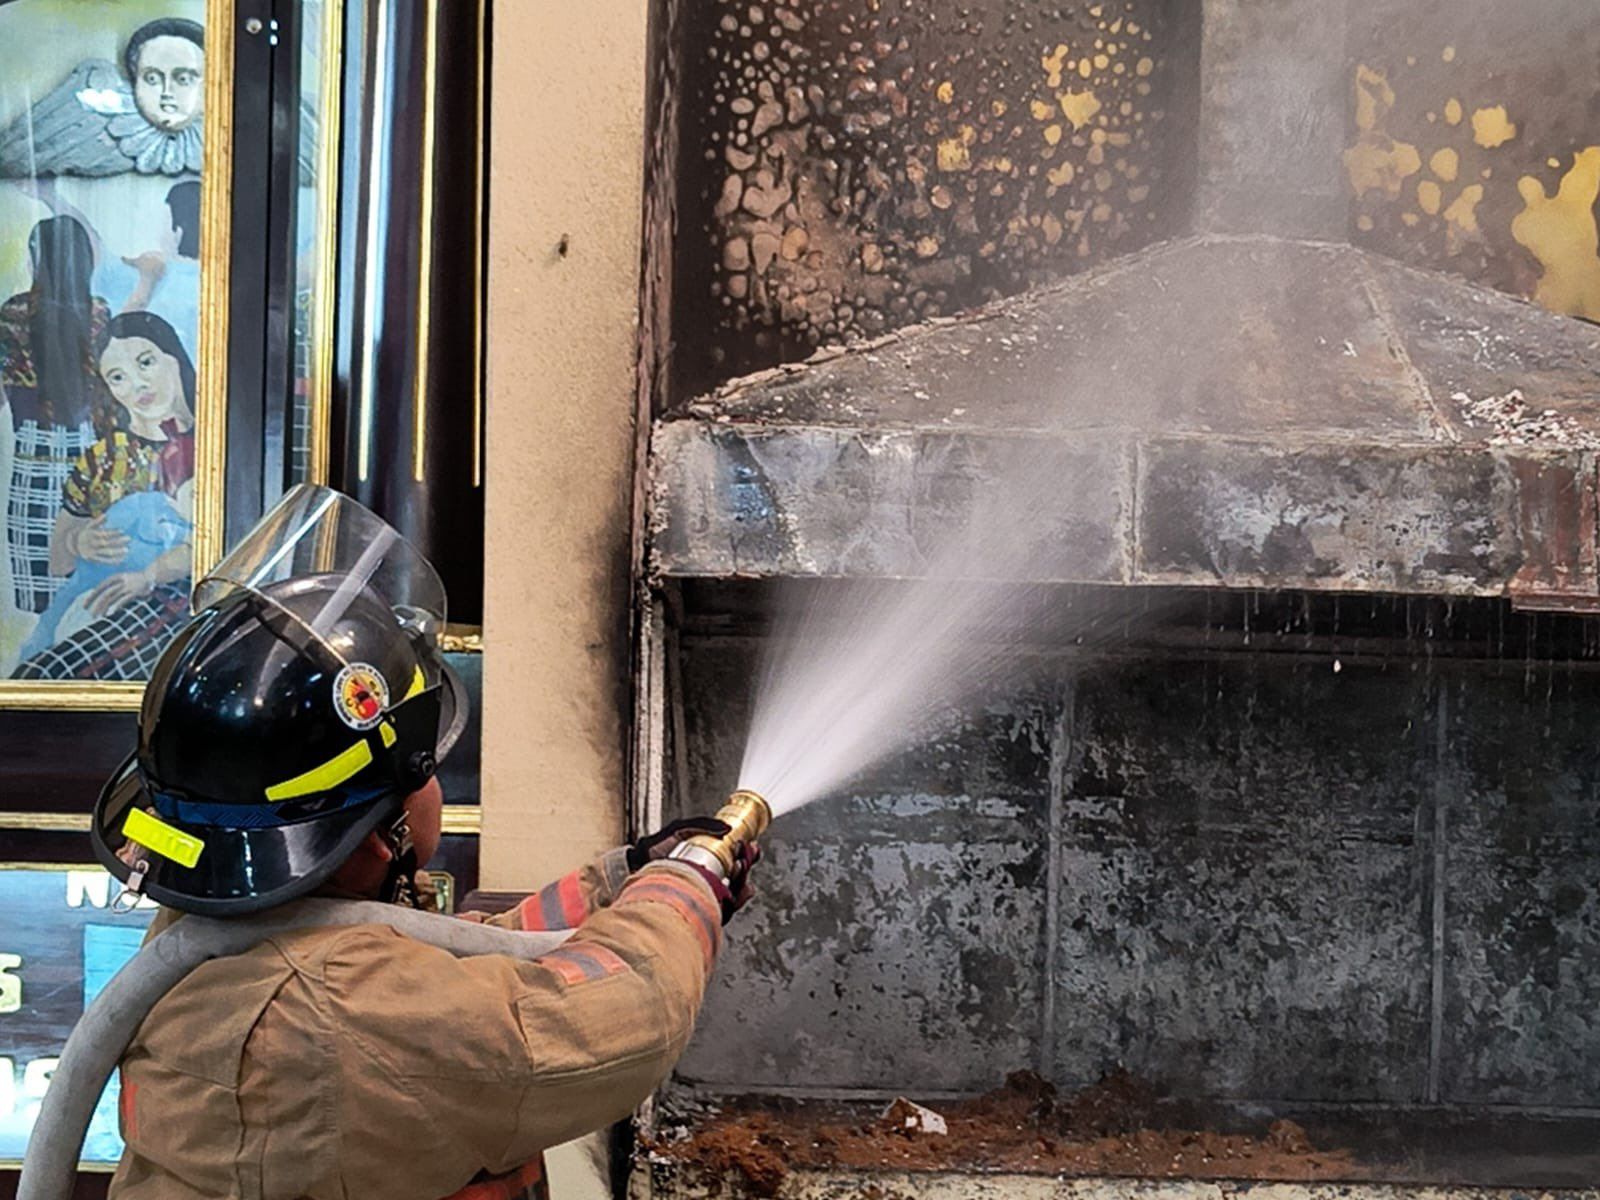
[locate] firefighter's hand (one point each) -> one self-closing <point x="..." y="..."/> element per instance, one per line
<point x="663" y="842"/>
<point x="736" y="891"/>
<point x="739" y="886"/>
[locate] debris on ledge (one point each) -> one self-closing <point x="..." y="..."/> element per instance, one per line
<point x="1110" y="1129"/>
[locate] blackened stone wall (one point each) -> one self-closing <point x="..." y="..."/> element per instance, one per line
<point x="1250" y="877"/>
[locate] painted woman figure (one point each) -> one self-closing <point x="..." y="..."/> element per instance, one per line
<point x="48" y="369"/>
<point x="124" y="531"/>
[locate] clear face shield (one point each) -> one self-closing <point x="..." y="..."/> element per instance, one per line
<point x="359" y="559"/>
<point x="314" y="530"/>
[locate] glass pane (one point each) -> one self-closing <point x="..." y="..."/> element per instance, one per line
<point x="314" y="231"/>
<point x="101" y="131"/>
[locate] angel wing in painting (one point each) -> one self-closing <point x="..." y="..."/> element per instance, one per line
<point x="95" y="123"/>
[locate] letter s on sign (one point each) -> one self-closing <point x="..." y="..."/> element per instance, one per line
<point x="10" y="985"/>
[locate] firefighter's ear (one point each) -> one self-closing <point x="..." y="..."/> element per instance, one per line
<point x="378" y="847"/>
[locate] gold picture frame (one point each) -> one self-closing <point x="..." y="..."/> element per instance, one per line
<point x="210" y="365"/>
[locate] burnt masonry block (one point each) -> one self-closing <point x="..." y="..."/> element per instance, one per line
<point x="898" y="939"/>
<point x="886" y="504"/>
<point x="1522" y="895"/>
<point x="1378" y="519"/>
<point x="1244" y="880"/>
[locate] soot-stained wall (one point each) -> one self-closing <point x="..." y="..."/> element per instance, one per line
<point x="843" y="168"/>
<point x="847" y="167"/>
<point x="1245" y="877"/>
<point x="1472" y="145"/>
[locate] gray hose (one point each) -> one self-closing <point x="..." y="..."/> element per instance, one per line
<point x="102" y="1035"/>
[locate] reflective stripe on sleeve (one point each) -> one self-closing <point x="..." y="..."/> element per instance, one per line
<point x="689" y="899"/>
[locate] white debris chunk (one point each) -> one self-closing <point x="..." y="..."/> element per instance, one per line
<point x="1512" y="421"/>
<point x="913" y="1118"/>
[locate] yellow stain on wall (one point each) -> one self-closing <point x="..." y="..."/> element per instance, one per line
<point x="1052" y="134"/>
<point x="1429" y="197"/>
<point x="1452" y="112"/>
<point x="1449" y="54"/>
<point x="1040" y="110"/>
<point x="1054" y="64"/>
<point x="1062" y="175"/>
<point x="1377" y="161"/>
<point x="1461" y="218"/>
<point x="946" y="92"/>
<point x="1079" y="107"/>
<point x="953" y="156"/>
<point x="1374" y="98"/>
<point x="952" y="153"/>
<point x="1445" y="164"/>
<point x="1380" y="163"/>
<point x="1491" y="127"/>
<point x="1560" y="232"/>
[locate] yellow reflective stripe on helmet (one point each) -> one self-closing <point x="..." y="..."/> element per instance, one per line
<point x="389" y="736"/>
<point x="158" y="837"/>
<point x="419" y="684"/>
<point x="325" y="777"/>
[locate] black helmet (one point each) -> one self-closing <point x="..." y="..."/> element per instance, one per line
<point x="289" y="719"/>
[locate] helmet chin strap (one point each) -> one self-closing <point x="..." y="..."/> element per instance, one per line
<point x="400" y="882"/>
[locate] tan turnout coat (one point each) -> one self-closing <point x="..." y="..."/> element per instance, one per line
<point x="354" y="1063"/>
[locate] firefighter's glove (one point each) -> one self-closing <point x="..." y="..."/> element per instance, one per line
<point x="656" y="846"/>
<point x="734" y="892"/>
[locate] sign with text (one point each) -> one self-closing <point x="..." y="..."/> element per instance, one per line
<point x="60" y="942"/>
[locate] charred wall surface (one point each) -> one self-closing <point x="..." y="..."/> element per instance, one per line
<point x="843" y="168"/>
<point x="847" y="167"/>
<point x="1472" y="145"/>
<point x="1291" y="878"/>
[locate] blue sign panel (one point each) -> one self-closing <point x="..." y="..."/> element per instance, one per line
<point x="60" y="943"/>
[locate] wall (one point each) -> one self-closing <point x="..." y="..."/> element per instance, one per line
<point x="848" y="168"/>
<point x="1290" y="881"/>
<point x="1471" y="145"/>
<point x="562" y="309"/>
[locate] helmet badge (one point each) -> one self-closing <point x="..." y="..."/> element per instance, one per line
<point x="360" y="695"/>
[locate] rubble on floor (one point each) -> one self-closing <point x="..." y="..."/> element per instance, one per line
<point x="1110" y="1129"/>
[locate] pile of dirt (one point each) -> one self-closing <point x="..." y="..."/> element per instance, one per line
<point x="1112" y="1128"/>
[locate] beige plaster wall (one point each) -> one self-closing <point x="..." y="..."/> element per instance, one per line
<point x="566" y="162"/>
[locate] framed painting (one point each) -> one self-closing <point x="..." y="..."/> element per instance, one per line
<point x="115" y="162"/>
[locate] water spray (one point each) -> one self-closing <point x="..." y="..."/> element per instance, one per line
<point x="747" y="816"/>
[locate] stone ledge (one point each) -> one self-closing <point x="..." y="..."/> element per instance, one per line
<point x="1216" y="412"/>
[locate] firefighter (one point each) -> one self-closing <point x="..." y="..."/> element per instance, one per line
<point x="287" y="746"/>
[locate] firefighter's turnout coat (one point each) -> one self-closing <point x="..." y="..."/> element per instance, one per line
<point x="352" y="1062"/>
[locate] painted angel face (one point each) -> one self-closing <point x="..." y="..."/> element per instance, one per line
<point x="145" y="380"/>
<point x="169" y="87"/>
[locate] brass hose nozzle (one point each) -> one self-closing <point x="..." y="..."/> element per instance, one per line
<point x="746" y="815"/>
